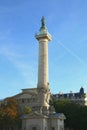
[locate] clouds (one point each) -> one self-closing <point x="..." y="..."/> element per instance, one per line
<point x="65" y="20"/>
<point x="17" y="59"/>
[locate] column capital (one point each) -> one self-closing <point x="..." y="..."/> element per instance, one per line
<point x="43" y="36"/>
<point x="43" y="32"/>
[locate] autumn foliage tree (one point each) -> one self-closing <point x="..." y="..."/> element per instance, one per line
<point x="9" y="112"/>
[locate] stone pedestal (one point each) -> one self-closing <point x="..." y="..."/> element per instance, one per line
<point x="38" y="121"/>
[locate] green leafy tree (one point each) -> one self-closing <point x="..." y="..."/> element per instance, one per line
<point x="27" y="110"/>
<point x="76" y="115"/>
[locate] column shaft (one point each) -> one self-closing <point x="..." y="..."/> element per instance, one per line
<point x="43" y="64"/>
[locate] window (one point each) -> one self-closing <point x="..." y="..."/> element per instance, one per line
<point x="22" y="100"/>
<point x="28" y="100"/>
<point x="53" y="128"/>
<point x="61" y="128"/>
<point x="34" y="128"/>
<point x="12" y="128"/>
<point x="24" y="128"/>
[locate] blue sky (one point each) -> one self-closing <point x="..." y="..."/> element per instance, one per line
<point x="66" y="21"/>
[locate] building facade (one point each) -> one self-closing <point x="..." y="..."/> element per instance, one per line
<point x="78" y="97"/>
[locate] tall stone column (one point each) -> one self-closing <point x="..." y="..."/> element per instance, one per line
<point x="43" y="84"/>
<point x="43" y="37"/>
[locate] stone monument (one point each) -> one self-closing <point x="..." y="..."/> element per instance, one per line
<point x="42" y="118"/>
<point x="43" y="84"/>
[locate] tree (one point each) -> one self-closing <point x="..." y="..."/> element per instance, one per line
<point x="76" y="115"/>
<point x="27" y="110"/>
<point x="9" y="113"/>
